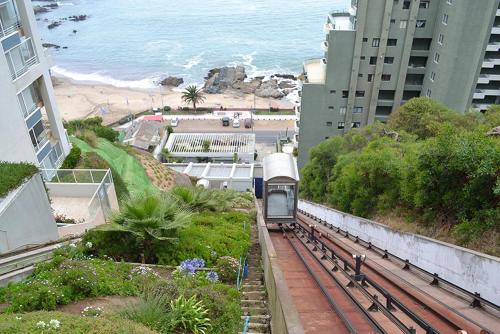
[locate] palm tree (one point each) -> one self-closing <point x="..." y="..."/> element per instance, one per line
<point x="193" y="95"/>
<point x="148" y="217"/>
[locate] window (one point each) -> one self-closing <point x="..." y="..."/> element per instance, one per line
<point x="362" y="57"/>
<point x="326" y="137"/>
<point x="376" y="42"/>
<point x="389" y="60"/>
<point x="421" y="23"/>
<point x="370" y="77"/>
<point x="329" y="123"/>
<point x="341" y="125"/>
<point x="355" y="125"/>
<point x="345" y="94"/>
<point x="429" y="93"/>
<point x="441" y="39"/>
<point x="360" y="75"/>
<point x="331" y="107"/>
<point x="360" y="93"/>
<point x="403" y="24"/>
<point x="373" y="60"/>
<point x="445" y="19"/>
<point x="365" y="39"/>
<point x="333" y="91"/>
<point x="392" y="42"/>
<point x="406" y="4"/>
<point x="436" y="58"/>
<point x="424" y="4"/>
<point x="386" y="77"/>
<point x="343" y="110"/>
<point x="449" y="2"/>
<point x="433" y="76"/>
<point x="393" y="21"/>
<point x="357" y="110"/>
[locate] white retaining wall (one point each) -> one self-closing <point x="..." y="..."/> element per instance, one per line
<point x="473" y="271"/>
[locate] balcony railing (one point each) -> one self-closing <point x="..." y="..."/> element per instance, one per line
<point x="41" y="140"/>
<point x="9" y="29"/>
<point x="21" y="58"/>
<point x="9" y="20"/>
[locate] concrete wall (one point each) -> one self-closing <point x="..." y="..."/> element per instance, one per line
<point x="26" y="217"/>
<point x="284" y="316"/>
<point x="473" y="271"/>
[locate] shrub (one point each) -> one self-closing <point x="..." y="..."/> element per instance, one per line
<point x="106" y="133"/>
<point x="188" y="315"/>
<point x="227" y="268"/>
<point x="73" y="158"/>
<point x="150" y="311"/>
<point x="87" y="136"/>
<point x="13" y="175"/>
<point x="167" y="108"/>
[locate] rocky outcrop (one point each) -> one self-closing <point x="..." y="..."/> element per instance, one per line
<point x="172" y="81"/>
<point x="40" y="10"/>
<point x="50" y="45"/>
<point x="270" y="89"/>
<point x="248" y="87"/>
<point x="285" y="84"/>
<point x="77" y="18"/>
<point x="54" y="24"/>
<point x="220" y="79"/>
<point x="284" y="76"/>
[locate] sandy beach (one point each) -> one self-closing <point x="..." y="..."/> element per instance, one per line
<point x="80" y="100"/>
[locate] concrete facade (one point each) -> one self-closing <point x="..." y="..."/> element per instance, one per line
<point x="31" y="129"/>
<point x="381" y="53"/>
<point x="473" y="271"/>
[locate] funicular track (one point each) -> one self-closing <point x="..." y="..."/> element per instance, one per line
<point x="420" y="312"/>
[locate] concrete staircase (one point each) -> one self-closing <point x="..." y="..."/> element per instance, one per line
<point x="253" y="291"/>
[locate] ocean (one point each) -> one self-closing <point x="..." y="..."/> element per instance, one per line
<point x="135" y="43"/>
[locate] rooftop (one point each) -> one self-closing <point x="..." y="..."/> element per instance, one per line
<point x="213" y="171"/>
<point x="315" y="71"/>
<point x="202" y="144"/>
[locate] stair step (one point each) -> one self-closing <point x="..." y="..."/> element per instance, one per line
<point x="261" y="319"/>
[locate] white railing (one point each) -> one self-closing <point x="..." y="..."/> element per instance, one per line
<point x="78" y="175"/>
<point x="21" y="58"/>
<point x="41" y="140"/>
<point x="7" y="30"/>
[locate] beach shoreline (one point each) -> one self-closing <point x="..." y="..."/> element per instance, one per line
<point x="82" y="99"/>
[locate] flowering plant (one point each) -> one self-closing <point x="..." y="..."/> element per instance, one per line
<point x="190" y="266"/>
<point x="91" y="311"/>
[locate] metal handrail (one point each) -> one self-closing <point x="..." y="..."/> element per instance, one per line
<point x="246" y="325"/>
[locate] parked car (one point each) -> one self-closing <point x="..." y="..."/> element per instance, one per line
<point x="225" y="121"/>
<point x="248" y="123"/>
<point x="174" y="122"/>
<point x="236" y="123"/>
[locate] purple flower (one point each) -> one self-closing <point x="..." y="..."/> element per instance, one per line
<point x="189" y="267"/>
<point x="212" y="276"/>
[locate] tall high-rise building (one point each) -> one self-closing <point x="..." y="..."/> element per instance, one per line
<point x="31" y="129"/>
<point x="381" y="53"/>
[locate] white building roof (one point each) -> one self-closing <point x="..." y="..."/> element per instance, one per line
<point x="280" y="165"/>
<point x="192" y="144"/>
<point x="215" y="171"/>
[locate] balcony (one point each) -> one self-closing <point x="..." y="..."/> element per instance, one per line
<point x="21" y="58"/>
<point x="315" y="71"/>
<point x="486" y="78"/>
<point x="494" y="46"/>
<point x="9" y="20"/>
<point x="491" y="62"/>
<point x="482" y="93"/>
<point x="495" y="30"/>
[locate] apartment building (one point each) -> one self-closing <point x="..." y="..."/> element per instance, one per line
<point x="381" y="53"/>
<point x="30" y="126"/>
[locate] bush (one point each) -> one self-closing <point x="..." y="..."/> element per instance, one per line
<point x="227" y="268"/>
<point x="73" y="158"/>
<point x="167" y="108"/>
<point x="106" y="133"/>
<point x="26" y="323"/>
<point x="87" y="136"/>
<point x="13" y="175"/>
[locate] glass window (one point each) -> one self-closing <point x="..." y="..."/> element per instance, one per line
<point x="403" y="24"/>
<point x="280" y="200"/>
<point x="376" y="42"/>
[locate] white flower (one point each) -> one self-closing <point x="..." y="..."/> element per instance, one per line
<point x="72" y="245"/>
<point x="55" y="323"/>
<point x="19" y="318"/>
<point x="41" y="324"/>
<point x="57" y="246"/>
<point x="88" y="244"/>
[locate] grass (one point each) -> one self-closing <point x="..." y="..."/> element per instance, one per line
<point x="13" y="175"/>
<point x="26" y="323"/>
<point x="129" y="168"/>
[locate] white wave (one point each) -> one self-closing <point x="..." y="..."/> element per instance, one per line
<point x="65" y="3"/>
<point x="96" y="77"/>
<point x="194" y="61"/>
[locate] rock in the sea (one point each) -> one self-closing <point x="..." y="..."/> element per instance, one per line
<point x="54" y="24"/>
<point x="248" y="87"/>
<point x="77" y="18"/>
<point x="39" y="9"/>
<point x="172" y="81"/>
<point x="219" y="79"/>
<point x="50" y="45"/>
<point x="269" y="89"/>
<point x="52" y="5"/>
<point x="287" y="84"/>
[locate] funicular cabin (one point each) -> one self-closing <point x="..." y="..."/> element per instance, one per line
<point x="281" y="180"/>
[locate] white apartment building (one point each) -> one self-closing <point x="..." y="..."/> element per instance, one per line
<point x="31" y="129"/>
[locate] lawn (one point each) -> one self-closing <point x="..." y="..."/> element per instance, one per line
<point x="129" y="168"/>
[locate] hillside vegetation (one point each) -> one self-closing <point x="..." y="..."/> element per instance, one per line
<point x="430" y="170"/>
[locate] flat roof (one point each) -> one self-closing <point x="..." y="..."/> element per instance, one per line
<point x="215" y="171"/>
<point x="181" y="144"/>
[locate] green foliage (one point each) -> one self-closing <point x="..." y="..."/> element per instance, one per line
<point x="200" y="199"/>
<point x="73" y="158"/>
<point x="206" y="145"/>
<point x="227" y="268"/>
<point x="167" y="109"/>
<point x="431" y="163"/>
<point x="150" y="311"/>
<point x="87" y="136"/>
<point x="208" y="236"/>
<point x="13" y="175"/>
<point x="149" y="218"/>
<point x="94" y="124"/>
<point x="71" y="276"/>
<point x="106" y="133"/>
<point x="26" y="323"/>
<point x="188" y="315"/>
<point x="194" y="95"/>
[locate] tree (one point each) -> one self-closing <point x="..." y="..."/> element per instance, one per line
<point x="149" y="218"/>
<point x="206" y="145"/>
<point x="193" y="95"/>
<point x="165" y="154"/>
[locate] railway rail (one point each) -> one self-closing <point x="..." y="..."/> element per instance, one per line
<point x="422" y="312"/>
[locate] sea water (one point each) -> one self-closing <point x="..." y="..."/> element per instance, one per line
<point x="134" y="43"/>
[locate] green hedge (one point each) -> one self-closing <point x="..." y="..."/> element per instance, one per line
<point x="13" y="175"/>
<point x="73" y="158"/>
